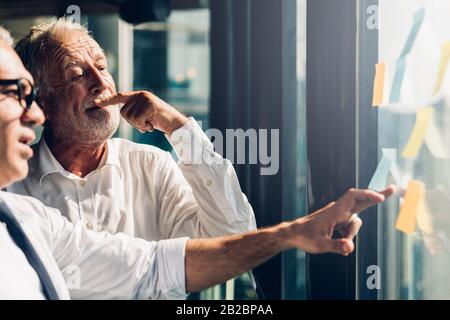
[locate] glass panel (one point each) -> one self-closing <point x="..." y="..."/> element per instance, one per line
<point x="172" y="60"/>
<point x="413" y="118"/>
<point x="294" y="261"/>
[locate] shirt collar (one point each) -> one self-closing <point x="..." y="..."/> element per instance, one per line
<point x="112" y="155"/>
<point x="47" y="163"/>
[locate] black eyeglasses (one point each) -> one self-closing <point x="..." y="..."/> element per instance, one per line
<point x="23" y="90"/>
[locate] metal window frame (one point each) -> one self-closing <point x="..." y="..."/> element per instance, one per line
<point x="253" y="85"/>
<point x="367" y="144"/>
<point x="331" y="130"/>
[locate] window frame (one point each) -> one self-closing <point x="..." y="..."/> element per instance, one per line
<point x="250" y="56"/>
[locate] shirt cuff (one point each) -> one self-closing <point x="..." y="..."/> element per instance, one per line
<point x="171" y="268"/>
<point x="191" y="144"/>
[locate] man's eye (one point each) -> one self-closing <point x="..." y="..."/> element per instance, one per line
<point x="101" y="68"/>
<point x="77" y="77"/>
<point x="11" y="93"/>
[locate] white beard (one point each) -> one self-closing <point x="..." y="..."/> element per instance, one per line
<point x="95" y="127"/>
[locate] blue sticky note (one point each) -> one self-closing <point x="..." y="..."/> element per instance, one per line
<point x="391" y="154"/>
<point x="401" y="62"/>
<point x="398" y="80"/>
<point x="389" y="159"/>
<point x="418" y="21"/>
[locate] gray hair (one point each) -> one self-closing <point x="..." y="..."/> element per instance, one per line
<point x="34" y="49"/>
<point x="5" y="36"/>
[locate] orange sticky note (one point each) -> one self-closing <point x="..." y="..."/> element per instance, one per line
<point x="406" y="221"/>
<point x="378" y="84"/>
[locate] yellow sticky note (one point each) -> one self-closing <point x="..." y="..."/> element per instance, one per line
<point x="445" y="57"/>
<point x="423" y="120"/>
<point x="406" y="221"/>
<point x="424" y="130"/>
<point x="378" y="84"/>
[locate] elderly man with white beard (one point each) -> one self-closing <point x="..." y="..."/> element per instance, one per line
<point x="116" y="185"/>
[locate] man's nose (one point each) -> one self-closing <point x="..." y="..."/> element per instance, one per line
<point x="33" y="117"/>
<point x="99" y="83"/>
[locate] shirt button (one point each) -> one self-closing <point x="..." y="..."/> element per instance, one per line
<point x="208" y="183"/>
<point x="82" y="183"/>
<point x="89" y="225"/>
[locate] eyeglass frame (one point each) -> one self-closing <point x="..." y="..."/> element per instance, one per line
<point x="29" y="99"/>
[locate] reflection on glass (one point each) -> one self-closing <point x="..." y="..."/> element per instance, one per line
<point x="172" y="60"/>
<point x="415" y="266"/>
<point x="294" y="261"/>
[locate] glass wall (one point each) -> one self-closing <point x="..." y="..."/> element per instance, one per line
<point x="294" y="263"/>
<point x="410" y="91"/>
<point x="172" y="60"/>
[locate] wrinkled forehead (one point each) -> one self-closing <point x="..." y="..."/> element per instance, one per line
<point x="11" y="66"/>
<point x="75" y="47"/>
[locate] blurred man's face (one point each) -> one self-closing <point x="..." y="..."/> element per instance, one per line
<point x="77" y="75"/>
<point x="15" y="123"/>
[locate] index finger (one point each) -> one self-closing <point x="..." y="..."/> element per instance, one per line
<point x="121" y="97"/>
<point x="358" y="200"/>
<point x="368" y="198"/>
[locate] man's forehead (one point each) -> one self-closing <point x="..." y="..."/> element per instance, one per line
<point x="77" y="46"/>
<point x="10" y="65"/>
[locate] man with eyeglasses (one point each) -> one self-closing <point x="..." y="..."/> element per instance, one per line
<point x="38" y="246"/>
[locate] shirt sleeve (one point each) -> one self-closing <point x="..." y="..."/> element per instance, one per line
<point x="201" y="196"/>
<point x="101" y="265"/>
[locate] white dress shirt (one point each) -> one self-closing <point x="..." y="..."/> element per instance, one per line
<point x="106" y="265"/>
<point x="141" y="191"/>
<point x="18" y="280"/>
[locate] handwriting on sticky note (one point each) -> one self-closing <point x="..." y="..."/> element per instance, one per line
<point x="406" y="221"/>
<point x="378" y="85"/>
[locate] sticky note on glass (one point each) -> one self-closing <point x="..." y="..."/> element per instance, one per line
<point x="401" y="62"/>
<point x="425" y="131"/>
<point x="419" y="16"/>
<point x="397" y="83"/>
<point x="423" y="119"/>
<point x="378" y="84"/>
<point x="443" y="65"/>
<point x="387" y="162"/>
<point x="406" y="221"/>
